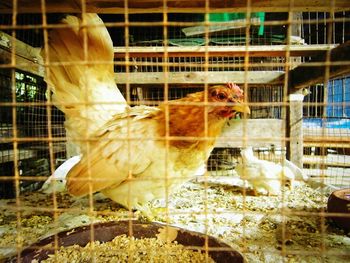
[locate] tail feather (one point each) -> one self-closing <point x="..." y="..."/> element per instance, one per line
<point x="82" y="79"/>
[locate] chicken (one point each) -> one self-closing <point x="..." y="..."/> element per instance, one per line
<point x="57" y="181"/>
<point x="298" y="173"/>
<point x="130" y="154"/>
<point x="137" y="157"/>
<point x="264" y="176"/>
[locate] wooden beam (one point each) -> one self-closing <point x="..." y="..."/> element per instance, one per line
<point x="235" y="26"/>
<point x="21" y="63"/>
<point x="9" y="155"/>
<point x="217" y="51"/>
<point x="344" y="145"/>
<point x="327" y="145"/>
<point x="317" y="133"/>
<point x="178" y="6"/>
<point x="295" y="130"/>
<point x="22" y="49"/>
<point x="313" y="72"/>
<point x="211" y="77"/>
<point x="252" y="132"/>
<point x="27" y="58"/>
<point x="328" y="160"/>
<point x="327" y="140"/>
<point x="330" y="172"/>
<point x="294" y="114"/>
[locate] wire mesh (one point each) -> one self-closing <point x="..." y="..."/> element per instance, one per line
<point x="31" y="122"/>
<point x="257" y="204"/>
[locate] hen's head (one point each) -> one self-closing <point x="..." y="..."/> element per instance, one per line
<point x="227" y="100"/>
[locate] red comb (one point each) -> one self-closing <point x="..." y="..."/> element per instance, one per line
<point x="235" y="88"/>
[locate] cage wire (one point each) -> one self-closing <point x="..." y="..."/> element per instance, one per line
<point x="165" y="56"/>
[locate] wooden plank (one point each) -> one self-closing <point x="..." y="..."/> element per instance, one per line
<point x="217" y="51"/>
<point x="313" y="72"/>
<point x="211" y="77"/>
<point x="20" y="63"/>
<point x="183" y="6"/>
<point x="327" y="145"/>
<point x="326" y="137"/>
<point x="56" y="147"/>
<point x="317" y="133"/>
<point x="329" y="160"/>
<point x="22" y="49"/>
<point x="8" y="155"/>
<point x="235" y="26"/>
<point x="329" y="172"/>
<point x="27" y="57"/>
<point x="252" y="132"/>
<point x="327" y="140"/>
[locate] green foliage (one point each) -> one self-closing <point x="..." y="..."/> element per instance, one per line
<point x="26" y="87"/>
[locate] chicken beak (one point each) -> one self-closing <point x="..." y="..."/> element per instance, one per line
<point x="241" y="108"/>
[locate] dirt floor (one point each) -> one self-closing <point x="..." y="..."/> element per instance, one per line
<point x="286" y="228"/>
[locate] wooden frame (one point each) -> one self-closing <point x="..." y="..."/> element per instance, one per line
<point x="157" y="6"/>
<point x="216" y="51"/>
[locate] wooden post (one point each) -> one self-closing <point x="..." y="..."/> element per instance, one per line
<point x="296" y="32"/>
<point x="295" y="143"/>
<point x="295" y="148"/>
<point x="27" y="58"/>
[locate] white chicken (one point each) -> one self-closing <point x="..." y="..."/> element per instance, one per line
<point x="57" y="181"/>
<point x="267" y="177"/>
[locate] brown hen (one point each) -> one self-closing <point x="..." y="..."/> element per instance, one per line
<point x="130" y="154"/>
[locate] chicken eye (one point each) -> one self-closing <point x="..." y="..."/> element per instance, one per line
<point x="221" y="96"/>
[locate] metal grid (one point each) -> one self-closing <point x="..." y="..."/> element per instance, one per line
<point x="263" y="228"/>
<point x="31" y="121"/>
<point x="326" y="115"/>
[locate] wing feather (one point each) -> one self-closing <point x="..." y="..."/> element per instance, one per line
<point x="113" y="156"/>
